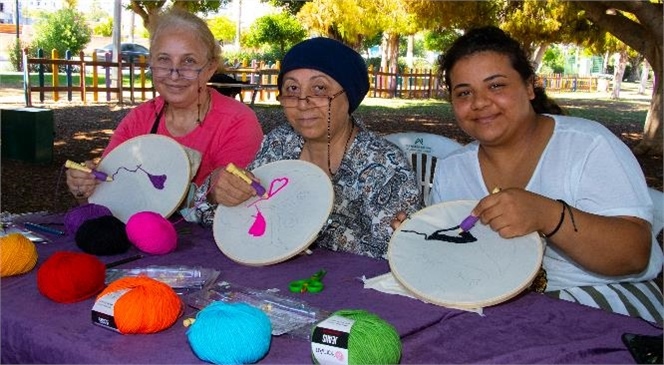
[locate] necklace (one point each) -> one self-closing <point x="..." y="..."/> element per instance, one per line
<point x="207" y="108"/>
<point x="329" y="164"/>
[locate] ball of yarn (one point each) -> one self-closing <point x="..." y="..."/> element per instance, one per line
<point x="18" y="255"/>
<point x="230" y="333"/>
<point x="152" y="233"/>
<point x="371" y="339"/>
<point x="148" y="306"/>
<point x="103" y="236"/>
<point x="76" y="216"/>
<point x="69" y="277"/>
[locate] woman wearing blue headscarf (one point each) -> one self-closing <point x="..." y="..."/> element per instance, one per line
<point x="321" y="83"/>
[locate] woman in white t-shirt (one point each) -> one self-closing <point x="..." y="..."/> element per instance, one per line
<point x="569" y="179"/>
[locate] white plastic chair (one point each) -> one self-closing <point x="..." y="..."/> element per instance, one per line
<point x="658" y="215"/>
<point x="423" y="150"/>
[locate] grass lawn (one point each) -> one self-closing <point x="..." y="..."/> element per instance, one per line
<point x="630" y="109"/>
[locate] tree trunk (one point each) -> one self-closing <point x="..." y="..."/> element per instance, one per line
<point x="644" y="36"/>
<point x="605" y="63"/>
<point x="393" y="49"/>
<point x="538" y="55"/>
<point x="645" y="72"/>
<point x="409" y="51"/>
<point x="393" y="54"/>
<point x="618" y="73"/>
<point x="384" y="54"/>
<point x="651" y="143"/>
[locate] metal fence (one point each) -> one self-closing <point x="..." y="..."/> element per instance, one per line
<point x="91" y="80"/>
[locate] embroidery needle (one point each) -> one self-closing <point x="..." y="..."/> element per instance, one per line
<point x="80" y="167"/>
<point x="260" y="191"/>
<point x="123" y="261"/>
<point x="42" y="229"/>
<point x="469" y="221"/>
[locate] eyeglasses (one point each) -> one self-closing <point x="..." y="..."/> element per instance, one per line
<point x="184" y="72"/>
<point x="313" y="100"/>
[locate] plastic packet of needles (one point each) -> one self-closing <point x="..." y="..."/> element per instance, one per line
<point x="287" y="315"/>
<point x="183" y="279"/>
<point x="7" y="228"/>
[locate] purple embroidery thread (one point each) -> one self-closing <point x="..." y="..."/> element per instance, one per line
<point x="158" y="181"/>
<point x="260" y="224"/>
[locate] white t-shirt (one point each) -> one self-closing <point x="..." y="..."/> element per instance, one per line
<point x="584" y="164"/>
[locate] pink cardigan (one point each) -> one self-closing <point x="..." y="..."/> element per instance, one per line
<point x="230" y="132"/>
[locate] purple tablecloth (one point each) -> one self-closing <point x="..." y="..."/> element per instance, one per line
<point x="528" y="329"/>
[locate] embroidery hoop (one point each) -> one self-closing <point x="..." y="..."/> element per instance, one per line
<point x="133" y="192"/>
<point x="294" y="215"/>
<point x="470" y="275"/>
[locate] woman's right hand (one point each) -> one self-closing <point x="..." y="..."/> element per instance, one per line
<point x="399" y="218"/>
<point x="228" y="189"/>
<point x="82" y="184"/>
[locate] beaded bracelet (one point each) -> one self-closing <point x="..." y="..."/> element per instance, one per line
<point x="562" y="218"/>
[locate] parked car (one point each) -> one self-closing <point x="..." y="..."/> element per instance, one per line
<point x="129" y="51"/>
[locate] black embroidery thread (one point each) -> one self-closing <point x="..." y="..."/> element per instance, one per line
<point x="461" y="237"/>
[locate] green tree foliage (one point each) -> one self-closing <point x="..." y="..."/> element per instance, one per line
<point x="96" y="13"/>
<point x="442" y="15"/>
<point x="15" y="51"/>
<point x="280" y="31"/>
<point x="349" y="21"/>
<point x="71" y="4"/>
<point x="147" y="9"/>
<point x="222" y="28"/>
<point x="640" y="25"/>
<point x="553" y="61"/>
<point x="289" y="6"/>
<point x="104" y="27"/>
<point x="534" y="22"/>
<point x="440" y="40"/>
<point x="418" y="47"/>
<point x="65" y="29"/>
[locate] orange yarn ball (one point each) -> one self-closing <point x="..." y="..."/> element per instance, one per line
<point x="18" y="255"/>
<point x="148" y="306"/>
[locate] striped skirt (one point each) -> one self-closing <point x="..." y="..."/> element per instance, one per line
<point x="643" y="299"/>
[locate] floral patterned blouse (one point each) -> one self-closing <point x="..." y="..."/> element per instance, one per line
<point x="373" y="183"/>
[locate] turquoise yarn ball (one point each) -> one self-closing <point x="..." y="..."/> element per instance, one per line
<point x="230" y="333"/>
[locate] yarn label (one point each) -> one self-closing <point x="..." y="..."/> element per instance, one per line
<point x="329" y="341"/>
<point x="103" y="311"/>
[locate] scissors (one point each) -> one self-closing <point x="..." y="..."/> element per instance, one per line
<point x="310" y="285"/>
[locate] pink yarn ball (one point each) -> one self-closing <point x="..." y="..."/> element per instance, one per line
<point x="151" y="233"/>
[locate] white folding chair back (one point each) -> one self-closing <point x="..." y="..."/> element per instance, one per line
<point x="423" y="150"/>
<point x="658" y="215"/>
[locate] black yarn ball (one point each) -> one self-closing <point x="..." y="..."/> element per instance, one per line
<point x="102" y="236"/>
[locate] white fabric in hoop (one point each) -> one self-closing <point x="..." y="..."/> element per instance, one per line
<point x="150" y="173"/>
<point x="265" y="231"/>
<point x="475" y="274"/>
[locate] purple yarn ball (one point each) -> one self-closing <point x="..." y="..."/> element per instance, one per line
<point x="77" y="216"/>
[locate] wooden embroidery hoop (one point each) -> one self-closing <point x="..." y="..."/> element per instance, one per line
<point x="294" y="215"/>
<point x="470" y="275"/>
<point x="133" y="192"/>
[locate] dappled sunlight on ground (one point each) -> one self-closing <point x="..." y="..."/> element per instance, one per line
<point x="103" y="134"/>
<point x="632" y="136"/>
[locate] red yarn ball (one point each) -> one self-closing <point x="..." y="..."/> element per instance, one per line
<point x="69" y="277"/>
<point x="151" y="233"/>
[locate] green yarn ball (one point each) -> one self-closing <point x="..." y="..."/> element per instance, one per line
<point x="371" y="339"/>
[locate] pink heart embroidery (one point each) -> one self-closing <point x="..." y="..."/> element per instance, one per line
<point x="276" y="185"/>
